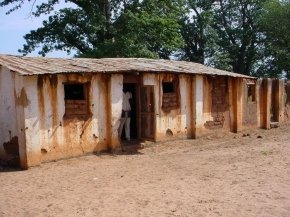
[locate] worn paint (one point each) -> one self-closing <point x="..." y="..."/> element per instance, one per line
<point x="22" y="99"/>
<point x="44" y="132"/>
<point x="173" y="123"/>
<point x="62" y="136"/>
<point x="9" y="116"/>
<point x="107" y="93"/>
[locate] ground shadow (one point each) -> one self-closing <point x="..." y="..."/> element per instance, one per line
<point x="8" y="168"/>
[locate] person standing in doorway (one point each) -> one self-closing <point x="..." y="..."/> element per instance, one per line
<point x="126" y="115"/>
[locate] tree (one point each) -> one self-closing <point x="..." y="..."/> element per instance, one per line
<point x="224" y="34"/>
<point x="275" y="24"/>
<point x="103" y="28"/>
<point x="250" y="37"/>
<point x="196" y="30"/>
<point x="239" y="39"/>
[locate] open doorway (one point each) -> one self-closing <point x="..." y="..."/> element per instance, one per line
<point x="274" y="105"/>
<point x="131" y="87"/>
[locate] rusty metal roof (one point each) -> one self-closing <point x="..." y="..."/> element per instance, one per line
<point x="43" y="65"/>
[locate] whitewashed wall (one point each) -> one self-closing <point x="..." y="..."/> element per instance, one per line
<point x="12" y="100"/>
<point x="8" y="120"/>
<point x="50" y="135"/>
<point x="179" y="121"/>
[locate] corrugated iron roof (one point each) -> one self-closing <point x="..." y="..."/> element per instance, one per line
<point x="43" y="65"/>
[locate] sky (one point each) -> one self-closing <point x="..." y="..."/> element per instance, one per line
<point x="14" y="26"/>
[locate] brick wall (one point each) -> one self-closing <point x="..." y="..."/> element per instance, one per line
<point x="220" y="102"/>
<point x="76" y="108"/>
<point x="169" y="101"/>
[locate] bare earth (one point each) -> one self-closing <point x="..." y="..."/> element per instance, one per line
<point x="221" y="175"/>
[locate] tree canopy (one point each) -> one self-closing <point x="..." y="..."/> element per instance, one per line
<point x="245" y="36"/>
<point x="103" y="28"/>
<point x="275" y="24"/>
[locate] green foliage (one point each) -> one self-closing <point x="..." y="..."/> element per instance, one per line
<point x="197" y="31"/>
<point x="103" y="28"/>
<point x="236" y="24"/>
<point x="224" y="34"/>
<point x="275" y="24"/>
<point x="251" y="37"/>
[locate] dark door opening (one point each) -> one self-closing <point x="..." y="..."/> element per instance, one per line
<point x="274" y="107"/>
<point x="131" y="87"/>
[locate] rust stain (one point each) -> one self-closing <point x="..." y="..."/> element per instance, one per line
<point x="190" y="101"/>
<point x="22" y="100"/>
<point x="52" y="90"/>
<point x="107" y="81"/>
<point x="77" y="138"/>
<point x="41" y="103"/>
<point x="78" y="78"/>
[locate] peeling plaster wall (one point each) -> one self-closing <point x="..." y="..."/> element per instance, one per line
<point x="213" y="93"/>
<point x="31" y="114"/>
<point x="199" y="105"/>
<point x="51" y="135"/>
<point x="177" y="123"/>
<point x="278" y="100"/>
<point x="265" y="97"/>
<point x="12" y="100"/>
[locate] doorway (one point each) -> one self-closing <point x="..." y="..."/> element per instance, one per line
<point x="132" y="88"/>
<point x="142" y="123"/>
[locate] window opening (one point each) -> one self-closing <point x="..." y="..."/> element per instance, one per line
<point x="168" y="87"/>
<point x="251" y="92"/>
<point x="74" y="91"/>
<point x="76" y="100"/>
<point x="170" y="97"/>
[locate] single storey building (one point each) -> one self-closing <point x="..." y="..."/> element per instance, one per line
<point x="53" y="108"/>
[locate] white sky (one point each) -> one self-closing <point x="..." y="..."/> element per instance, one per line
<point x="14" y="26"/>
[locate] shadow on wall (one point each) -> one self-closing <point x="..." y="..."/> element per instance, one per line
<point x="12" y="153"/>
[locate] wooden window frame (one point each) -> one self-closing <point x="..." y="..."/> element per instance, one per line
<point x="77" y="108"/>
<point x="170" y="100"/>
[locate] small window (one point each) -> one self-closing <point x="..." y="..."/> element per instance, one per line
<point x="76" y="102"/>
<point x="74" y="91"/>
<point x="170" y="97"/>
<point x="168" y="87"/>
<point x="251" y="92"/>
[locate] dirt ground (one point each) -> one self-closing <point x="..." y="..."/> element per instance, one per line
<point x="244" y="174"/>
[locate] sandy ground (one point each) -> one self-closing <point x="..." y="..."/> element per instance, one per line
<point x="220" y="175"/>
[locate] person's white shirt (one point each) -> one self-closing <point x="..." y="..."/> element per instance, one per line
<point x="126" y="104"/>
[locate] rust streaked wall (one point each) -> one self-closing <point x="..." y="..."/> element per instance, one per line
<point x="34" y="119"/>
<point x="51" y="135"/>
<point x="13" y="99"/>
<point x="177" y="121"/>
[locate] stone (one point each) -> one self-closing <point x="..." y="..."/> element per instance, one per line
<point x="274" y="124"/>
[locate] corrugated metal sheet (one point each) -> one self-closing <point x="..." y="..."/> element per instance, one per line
<point x="42" y="65"/>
